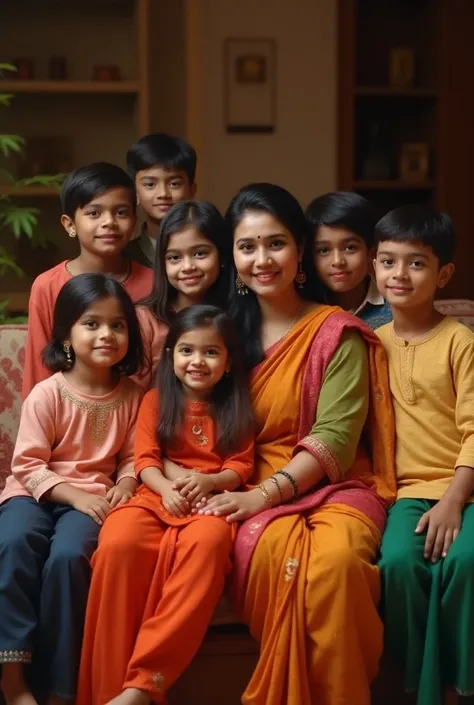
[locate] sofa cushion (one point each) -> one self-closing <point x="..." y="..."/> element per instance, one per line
<point x="460" y="309"/>
<point x="12" y="359"/>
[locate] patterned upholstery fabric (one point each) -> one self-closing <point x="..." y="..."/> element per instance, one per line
<point x="12" y="359"/>
<point x="460" y="309"/>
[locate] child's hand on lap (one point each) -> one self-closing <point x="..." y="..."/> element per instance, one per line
<point x="94" y="506"/>
<point x="195" y="487"/>
<point x="443" y="523"/>
<point x="118" y="494"/>
<point x="173" y="502"/>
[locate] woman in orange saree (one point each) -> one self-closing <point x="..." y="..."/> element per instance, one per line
<point x="304" y="574"/>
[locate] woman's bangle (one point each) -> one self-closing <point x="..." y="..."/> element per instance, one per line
<point x="266" y="494"/>
<point x="275" y="481"/>
<point x="291" y="480"/>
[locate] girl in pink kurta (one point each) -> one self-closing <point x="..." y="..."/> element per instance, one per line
<point x="73" y="462"/>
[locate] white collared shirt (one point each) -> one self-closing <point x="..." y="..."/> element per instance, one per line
<point x="373" y="297"/>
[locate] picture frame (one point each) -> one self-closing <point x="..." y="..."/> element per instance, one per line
<point x="250" y="86"/>
<point x="414" y="161"/>
<point x="402" y="67"/>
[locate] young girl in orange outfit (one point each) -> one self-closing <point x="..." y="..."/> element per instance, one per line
<point x="160" y="568"/>
<point x="191" y="267"/>
<point x="73" y="462"/>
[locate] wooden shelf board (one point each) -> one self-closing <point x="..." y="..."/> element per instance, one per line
<point x="391" y="91"/>
<point x="28" y="191"/>
<point x="393" y="185"/>
<point x="24" y="86"/>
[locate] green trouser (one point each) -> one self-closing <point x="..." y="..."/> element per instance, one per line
<point x="428" y="608"/>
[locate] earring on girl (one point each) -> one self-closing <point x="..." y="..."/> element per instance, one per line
<point x="240" y="286"/>
<point x="300" y="277"/>
<point x="67" y="350"/>
<point x="72" y="232"/>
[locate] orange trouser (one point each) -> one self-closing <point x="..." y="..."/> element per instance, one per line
<point x="153" y="593"/>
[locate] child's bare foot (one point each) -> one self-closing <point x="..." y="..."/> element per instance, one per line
<point x="131" y="696"/>
<point x="13" y="685"/>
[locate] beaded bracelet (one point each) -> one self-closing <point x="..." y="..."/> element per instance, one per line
<point x="266" y="494"/>
<point x="291" y="480"/>
<point x="275" y="481"/>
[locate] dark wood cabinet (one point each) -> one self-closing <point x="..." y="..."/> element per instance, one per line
<point x="406" y="110"/>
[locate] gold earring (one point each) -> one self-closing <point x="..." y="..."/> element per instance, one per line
<point x="300" y="277"/>
<point x="72" y="232"/>
<point x="67" y="350"/>
<point x="240" y="286"/>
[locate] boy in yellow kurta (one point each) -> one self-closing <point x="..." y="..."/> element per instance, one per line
<point x="427" y="554"/>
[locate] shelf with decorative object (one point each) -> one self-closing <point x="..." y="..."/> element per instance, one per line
<point x="39" y="86"/>
<point x="405" y="115"/>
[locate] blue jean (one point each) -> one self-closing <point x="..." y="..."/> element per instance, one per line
<point x="45" y="552"/>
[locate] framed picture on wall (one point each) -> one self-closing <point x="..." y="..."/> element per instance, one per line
<point x="250" y="85"/>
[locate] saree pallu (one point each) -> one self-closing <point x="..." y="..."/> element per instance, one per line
<point x="304" y="574"/>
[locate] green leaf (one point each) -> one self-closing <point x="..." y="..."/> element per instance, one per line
<point x="8" y="67"/>
<point x="7" y="262"/>
<point x="6" y="98"/>
<point x="20" y="220"/>
<point x="49" y="180"/>
<point x="11" y="143"/>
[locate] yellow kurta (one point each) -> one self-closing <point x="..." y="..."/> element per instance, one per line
<point x="432" y="385"/>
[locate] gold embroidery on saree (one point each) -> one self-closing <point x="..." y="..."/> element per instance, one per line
<point x="331" y="466"/>
<point x="254" y="526"/>
<point x="98" y="413"/>
<point x="291" y="567"/>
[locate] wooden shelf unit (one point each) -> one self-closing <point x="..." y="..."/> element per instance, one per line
<point x="437" y="110"/>
<point x="28" y="191"/>
<point x="392" y="185"/>
<point x="40" y="86"/>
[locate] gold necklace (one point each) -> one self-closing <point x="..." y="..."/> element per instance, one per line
<point x="121" y="279"/>
<point x="284" y="334"/>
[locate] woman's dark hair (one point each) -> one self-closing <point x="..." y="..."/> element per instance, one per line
<point x="75" y="297"/>
<point x="207" y="220"/>
<point x="278" y="202"/>
<point x="87" y="182"/>
<point x="344" y="209"/>
<point x="419" y="223"/>
<point x="230" y="405"/>
<point x="161" y="150"/>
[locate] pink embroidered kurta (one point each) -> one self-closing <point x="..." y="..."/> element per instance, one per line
<point x="68" y="436"/>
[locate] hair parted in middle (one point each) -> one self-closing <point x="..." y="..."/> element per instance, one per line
<point x="229" y="402"/>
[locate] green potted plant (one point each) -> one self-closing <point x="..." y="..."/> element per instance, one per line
<point x="19" y="220"/>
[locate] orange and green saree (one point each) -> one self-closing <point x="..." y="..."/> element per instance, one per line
<point x="304" y="573"/>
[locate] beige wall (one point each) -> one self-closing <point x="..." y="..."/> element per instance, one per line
<point x="301" y="154"/>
